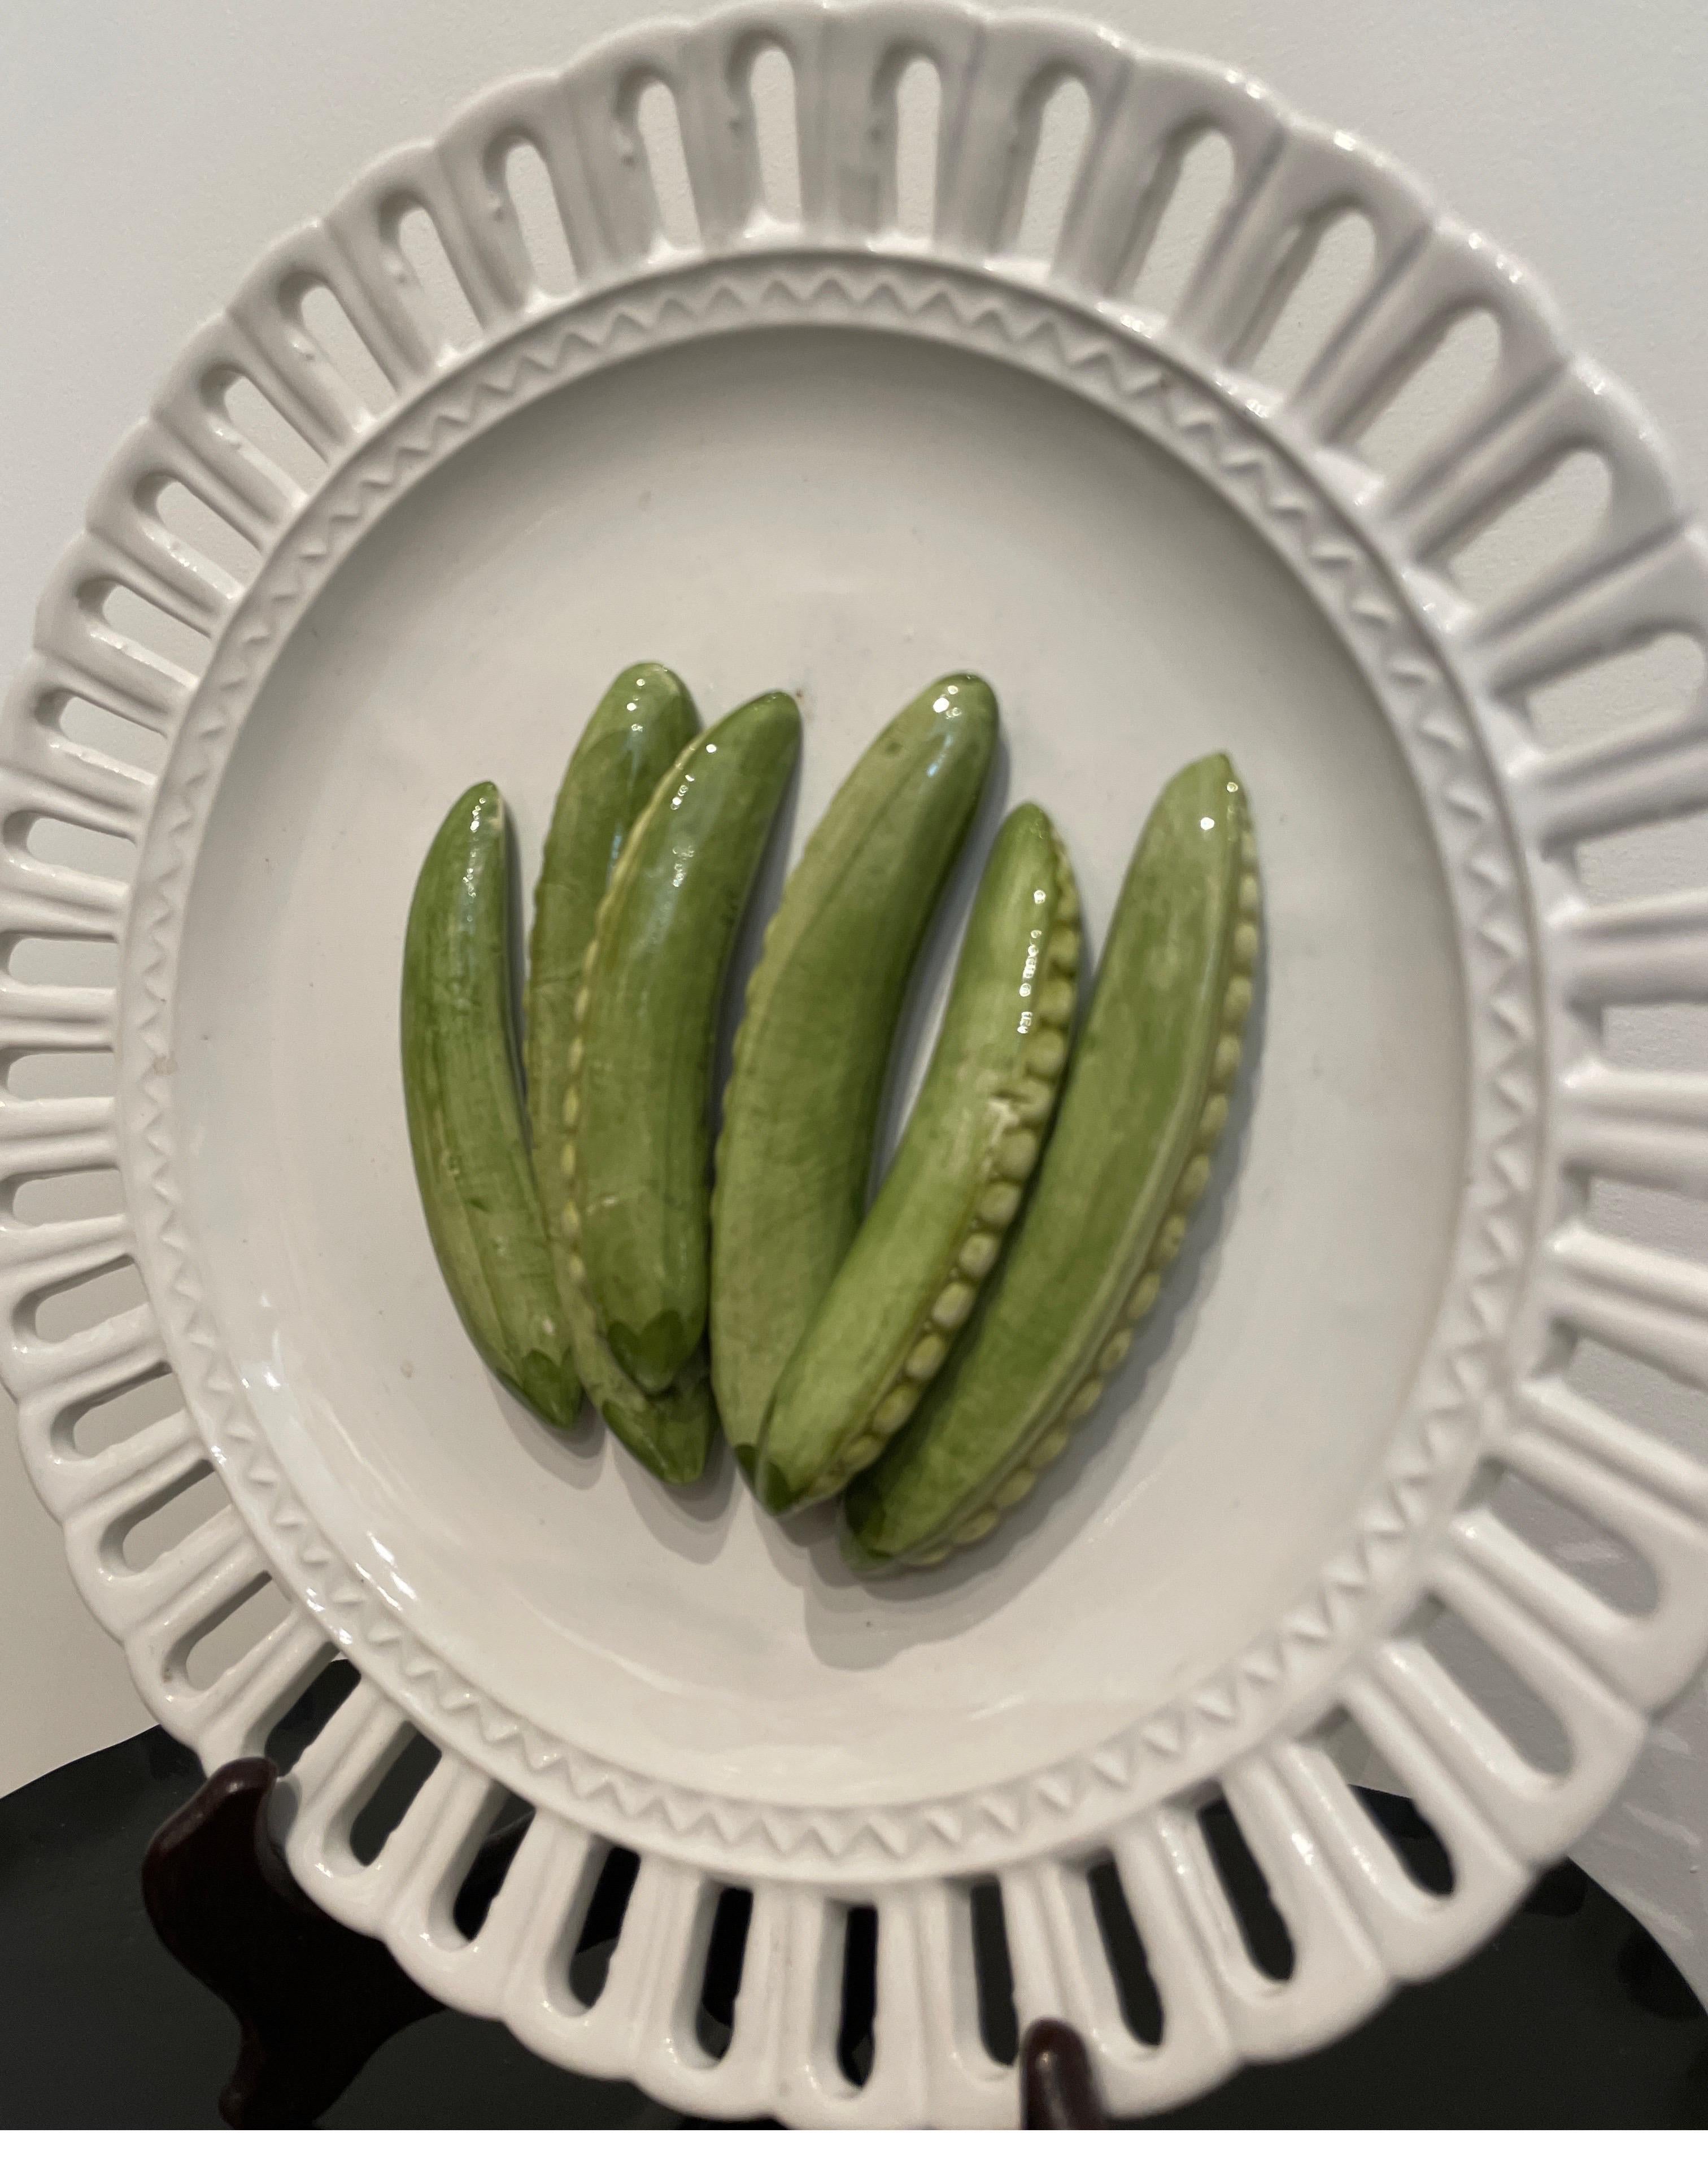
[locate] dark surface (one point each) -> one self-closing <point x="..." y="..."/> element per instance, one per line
<point x="1569" y="2017"/>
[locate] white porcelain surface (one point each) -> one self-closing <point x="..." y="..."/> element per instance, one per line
<point x="662" y="509"/>
<point x="823" y="452"/>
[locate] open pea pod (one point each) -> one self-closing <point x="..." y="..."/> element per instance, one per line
<point x="637" y="1127"/>
<point x="907" y="1285"/>
<point x="811" y="1056"/>
<point x="638" y="730"/>
<point x="463" y="1100"/>
<point x="1145" y="1100"/>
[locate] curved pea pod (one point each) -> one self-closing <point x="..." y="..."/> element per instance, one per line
<point x="639" y="728"/>
<point x="1145" y="1100"/>
<point x="636" y="1131"/>
<point x="794" y="1154"/>
<point x="464" y="1104"/>
<point x="908" y="1284"/>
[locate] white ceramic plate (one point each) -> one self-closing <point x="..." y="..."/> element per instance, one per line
<point x="782" y="436"/>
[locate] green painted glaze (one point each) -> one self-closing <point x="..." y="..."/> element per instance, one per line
<point x="636" y="1111"/>
<point x="670" y="1432"/>
<point x="464" y="1104"/>
<point x="908" y="1284"/>
<point x="640" y="726"/>
<point x="1146" y="1098"/>
<point x="794" y="1154"/>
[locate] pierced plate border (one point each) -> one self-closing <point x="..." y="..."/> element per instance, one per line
<point x="1437" y="1438"/>
<point x="1528" y="1274"/>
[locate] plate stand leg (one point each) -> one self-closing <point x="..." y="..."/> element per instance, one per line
<point x="313" y="2000"/>
<point x="1057" y="2087"/>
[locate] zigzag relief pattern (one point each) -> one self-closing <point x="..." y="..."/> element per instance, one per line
<point x="1373" y="1575"/>
<point x="640" y="296"/>
<point x="636" y="294"/>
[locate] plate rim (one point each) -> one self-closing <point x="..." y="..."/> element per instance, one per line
<point x="1359" y="1943"/>
<point x="811" y="1840"/>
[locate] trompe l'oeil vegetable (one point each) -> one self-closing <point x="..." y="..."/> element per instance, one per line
<point x="463" y="1098"/>
<point x="812" y="1051"/>
<point x="906" y="1286"/>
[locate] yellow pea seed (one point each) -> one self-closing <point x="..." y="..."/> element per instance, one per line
<point x="894" y="1409"/>
<point x="572" y="1108"/>
<point x="930" y="1560"/>
<point x="567" y="1160"/>
<point x="572" y="1059"/>
<point x="1016" y="1154"/>
<point x="1013" y="1490"/>
<point x="1047" y="1449"/>
<point x="1169" y="1237"/>
<point x="1033" y="1100"/>
<point x="1249" y="894"/>
<point x="1114" y="1352"/>
<point x="1225" y="1065"/>
<point x="1143" y="1296"/>
<point x="954" y="1306"/>
<point x="571" y="1222"/>
<point x="581" y="1007"/>
<point x="1046" y="1053"/>
<point x="976" y="1526"/>
<point x="1245" y="945"/>
<point x="1085" y="1401"/>
<point x="1213" y="1119"/>
<point x="1235" y="1004"/>
<point x="862" y="1453"/>
<point x="978" y="1253"/>
<point x="1064" y="950"/>
<point x="1191" y="1185"/>
<point x="926" y="1359"/>
<point x="1055" y="1003"/>
<point x="998" y="1203"/>
<point x="1067" y="908"/>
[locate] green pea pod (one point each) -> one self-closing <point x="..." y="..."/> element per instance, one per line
<point x="636" y="1109"/>
<point x="463" y="1105"/>
<point x="640" y="726"/>
<point x="908" y="1284"/>
<point x="1145" y="1100"/>
<point x="794" y="1154"/>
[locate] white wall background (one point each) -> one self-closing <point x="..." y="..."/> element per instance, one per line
<point x="153" y="148"/>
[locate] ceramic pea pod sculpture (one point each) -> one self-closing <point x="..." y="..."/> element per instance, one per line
<point x="463" y="1100"/>
<point x="638" y="731"/>
<point x="908" y="1284"/>
<point x="812" y="1051"/>
<point x="1145" y="1100"/>
<point x="635" y="1153"/>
